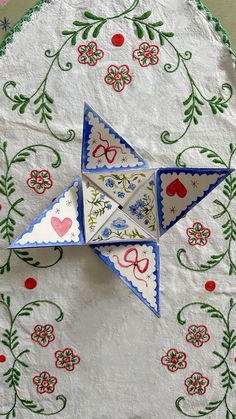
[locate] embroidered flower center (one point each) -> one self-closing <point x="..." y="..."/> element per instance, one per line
<point x="198" y="335"/>
<point x="118" y="76"/>
<point x="196" y="384"/>
<point x="174" y="360"/>
<point x="39" y="179"/>
<point x="43" y="334"/>
<point x="198" y="235"/>
<point x="45" y="383"/>
<point x="147" y="54"/>
<point x="66" y="359"/>
<point x="89" y="53"/>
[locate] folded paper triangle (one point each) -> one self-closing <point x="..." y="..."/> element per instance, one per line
<point x="138" y="266"/>
<point x="120" y="185"/>
<point x="118" y="228"/>
<point x="60" y="224"/>
<point x="103" y="148"/>
<point x="179" y="190"/>
<point x="98" y="208"/>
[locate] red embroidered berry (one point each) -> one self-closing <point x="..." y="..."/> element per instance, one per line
<point x="2" y="358"/>
<point x="30" y="283"/>
<point x="118" y="39"/>
<point x="210" y="286"/>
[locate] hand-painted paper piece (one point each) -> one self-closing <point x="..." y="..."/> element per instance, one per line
<point x="123" y="207"/>
<point x="120" y="185"/>
<point x="120" y="227"/>
<point x="142" y="207"/>
<point x="98" y="208"/>
<point x="179" y="190"/>
<point x="103" y="148"/>
<point x="60" y="224"/>
<point x="138" y="266"/>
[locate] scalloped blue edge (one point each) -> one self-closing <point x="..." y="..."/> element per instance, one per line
<point x="81" y="241"/>
<point x="110" y="264"/>
<point x="85" y="145"/>
<point x="223" y="172"/>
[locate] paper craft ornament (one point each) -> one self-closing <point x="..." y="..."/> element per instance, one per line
<point x="121" y="207"/>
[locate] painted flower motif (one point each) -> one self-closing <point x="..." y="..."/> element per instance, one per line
<point x="90" y="54"/>
<point x="110" y="183"/>
<point x="106" y="233"/>
<point x="118" y="77"/>
<point x="132" y="186"/>
<point x="198" y="234"/>
<point x="119" y="224"/>
<point x="121" y="194"/>
<point x="197" y="335"/>
<point x="39" y="181"/>
<point x="147" y="54"/>
<point x="174" y="360"/>
<point x="43" y="335"/>
<point x="45" y="383"/>
<point x="196" y="384"/>
<point x="66" y="359"/>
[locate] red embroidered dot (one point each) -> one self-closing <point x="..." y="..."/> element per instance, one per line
<point x="118" y="39"/>
<point x="2" y="358"/>
<point x="0" y="207"/>
<point x="30" y="283"/>
<point x="210" y="286"/>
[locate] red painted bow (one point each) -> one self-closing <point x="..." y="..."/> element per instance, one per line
<point x="110" y="152"/>
<point x="131" y="257"/>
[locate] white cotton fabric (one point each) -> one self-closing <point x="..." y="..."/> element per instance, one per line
<point x="119" y="340"/>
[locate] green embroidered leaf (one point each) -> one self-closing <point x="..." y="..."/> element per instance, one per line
<point x="150" y="34"/>
<point x="92" y="16"/>
<point x="98" y="28"/>
<point x="78" y="23"/>
<point x="145" y="15"/>
<point x="139" y="30"/>
<point x="168" y="34"/>
<point x="85" y="33"/>
<point x="156" y="24"/>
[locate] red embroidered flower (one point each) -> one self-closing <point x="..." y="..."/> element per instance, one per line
<point x="197" y="335"/>
<point x="39" y="181"/>
<point x="196" y="384"/>
<point x="174" y="360"/>
<point x="45" y="383"/>
<point x="66" y="359"/>
<point x="198" y="234"/>
<point x="89" y="54"/>
<point x="118" y="77"/>
<point x="43" y="334"/>
<point x="147" y="54"/>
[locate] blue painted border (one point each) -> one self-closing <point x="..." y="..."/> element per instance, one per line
<point x="85" y="149"/>
<point x="223" y="172"/>
<point x="111" y="265"/>
<point x="29" y="229"/>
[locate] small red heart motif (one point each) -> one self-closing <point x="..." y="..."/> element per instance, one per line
<point x="176" y="188"/>
<point x="61" y="227"/>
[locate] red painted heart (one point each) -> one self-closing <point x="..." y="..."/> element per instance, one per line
<point x="61" y="227"/>
<point x="176" y="188"/>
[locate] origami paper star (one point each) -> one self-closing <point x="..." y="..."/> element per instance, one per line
<point x="120" y="207"/>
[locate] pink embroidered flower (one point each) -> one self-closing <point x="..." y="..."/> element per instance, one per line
<point x="174" y="360"/>
<point x="43" y="334"/>
<point x="90" y="54"/>
<point x="147" y="54"/>
<point x="66" y="359"/>
<point x="118" y="77"/>
<point x="45" y="383"/>
<point x="39" y="181"/>
<point x="196" y="384"/>
<point x="197" y="335"/>
<point x="198" y="234"/>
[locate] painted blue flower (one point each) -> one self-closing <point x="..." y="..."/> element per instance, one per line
<point x="133" y="209"/>
<point x="151" y="183"/>
<point x="106" y="233"/>
<point x="110" y="183"/>
<point x="119" y="224"/>
<point x="132" y="186"/>
<point x="109" y="206"/>
<point x="121" y="194"/>
<point x="5" y="24"/>
<point x="140" y="203"/>
<point x="139" y="215"/>
<point x="102" y="196"/>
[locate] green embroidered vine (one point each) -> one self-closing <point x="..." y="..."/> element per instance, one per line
<point x="13" y="374"/>
<point x="92" y="26"/>
<point x="228" y="376"/>
<point x="7" y="190"/>
<point x="229" y="223"/>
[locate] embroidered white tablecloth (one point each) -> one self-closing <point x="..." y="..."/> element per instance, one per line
<point x="75" y="342"/>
